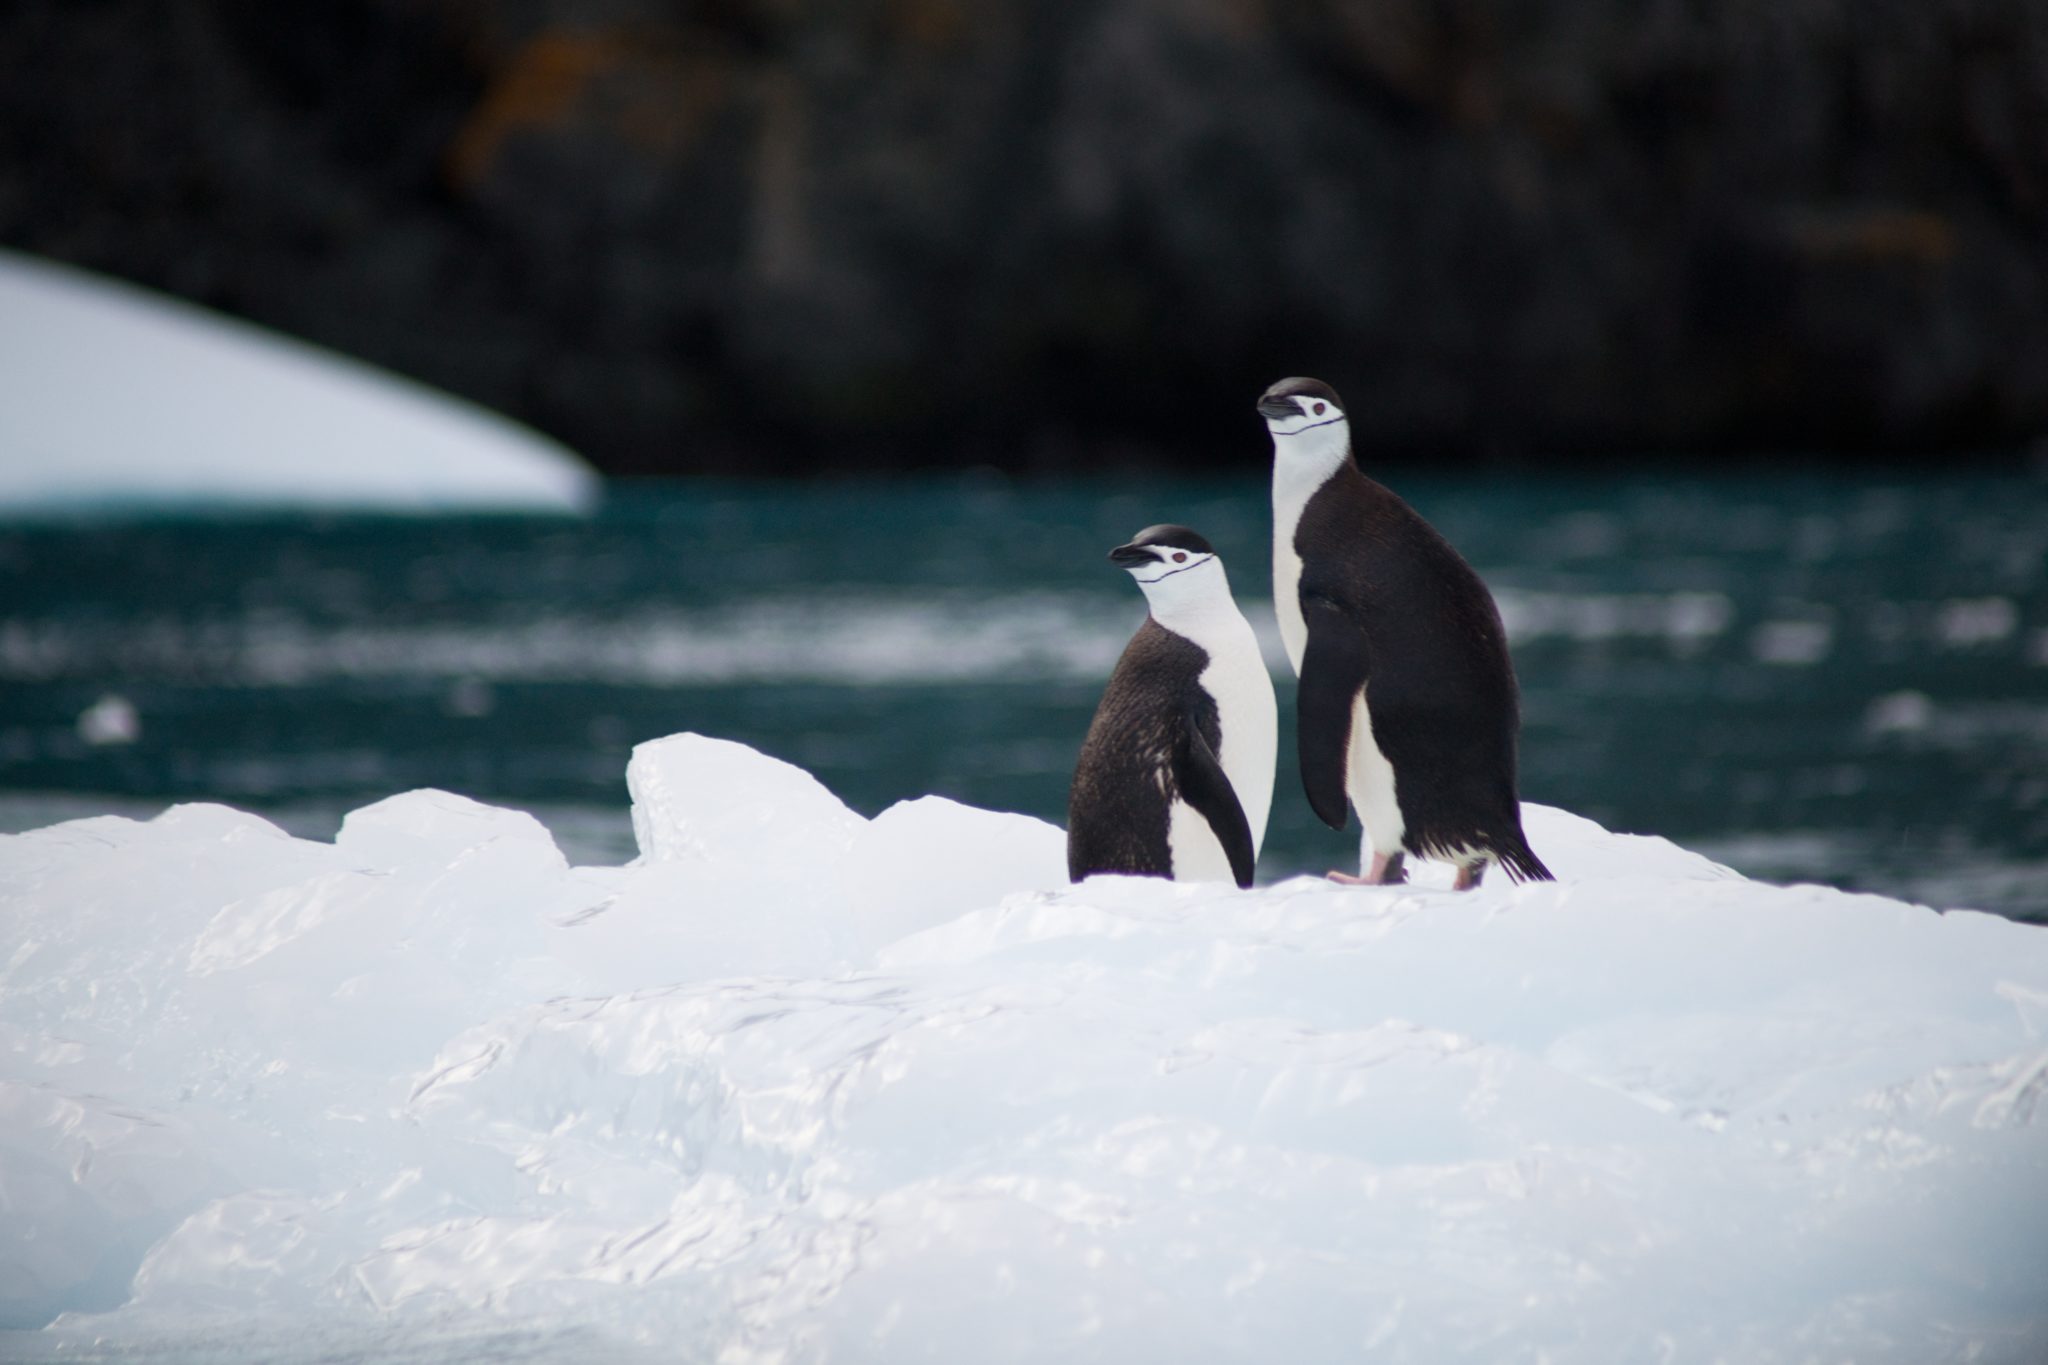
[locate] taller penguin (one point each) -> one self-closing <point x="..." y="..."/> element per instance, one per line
<point x="1176" y="775"/>
<point x="1407" y="703"/>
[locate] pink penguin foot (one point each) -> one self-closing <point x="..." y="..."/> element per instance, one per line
<point x="1385" y="870"/>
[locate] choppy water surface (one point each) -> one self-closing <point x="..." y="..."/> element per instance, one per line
<point x="1810" y="677"/>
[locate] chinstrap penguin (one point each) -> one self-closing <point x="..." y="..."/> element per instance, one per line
<point x="1175" y="778"/>
<point x="1407" y="699"/>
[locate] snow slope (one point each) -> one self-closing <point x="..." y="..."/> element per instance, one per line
<point x="112" y="395"/>
<point x="800" y="1086"/>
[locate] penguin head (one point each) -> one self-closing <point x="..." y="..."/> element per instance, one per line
<point x="1298" y="405"/>
<point x="1175" y="566"/>
<point x="1311" y="435"/>
<point x="1159" y="551"/>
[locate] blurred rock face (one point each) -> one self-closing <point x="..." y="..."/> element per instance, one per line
<point x="765" y="234"/>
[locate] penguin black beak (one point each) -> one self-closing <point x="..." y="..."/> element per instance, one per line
<point x="1278" y="408"/>
<point x="1131" y="556"/>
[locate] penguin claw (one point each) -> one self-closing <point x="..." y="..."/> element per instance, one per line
<point x="1346" y="879"/>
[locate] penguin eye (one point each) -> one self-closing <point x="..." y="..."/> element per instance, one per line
<point x="1319" y="409"/>
<point x="1180" y="557"/>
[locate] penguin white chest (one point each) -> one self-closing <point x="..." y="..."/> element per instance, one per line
<point x="1291" y="492"/>
<point x="1287" y="600"/>
<point x="1248" y="733"/>
<point x="1249" y="719"/>
<point x="1197" y="853"/>
<point x="1369" y="782"/>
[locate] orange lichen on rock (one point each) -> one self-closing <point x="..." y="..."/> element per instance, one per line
<point x="646" y="92"/>
<point x="934" y="25"/>
<point x="538" y="87"/>
<point x="1876" y="234"/>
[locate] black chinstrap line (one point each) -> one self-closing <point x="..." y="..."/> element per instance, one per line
<point x="1313" y="425"/>
<point x="1183" y="569"/>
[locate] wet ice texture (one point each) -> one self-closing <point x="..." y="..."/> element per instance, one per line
<point x="801" y="1086"/>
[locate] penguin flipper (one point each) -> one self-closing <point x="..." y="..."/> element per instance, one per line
<point x="1333" y="669"/>
<point x="1204" y="785"/>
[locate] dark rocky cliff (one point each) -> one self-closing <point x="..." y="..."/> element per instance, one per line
<point x="781" y="234"/>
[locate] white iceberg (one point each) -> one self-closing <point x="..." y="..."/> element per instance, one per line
<point x="111" y="395"/>
<point x="801" y="1086"/>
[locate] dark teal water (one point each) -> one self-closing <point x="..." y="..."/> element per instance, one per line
<point x="1808" y="676"/>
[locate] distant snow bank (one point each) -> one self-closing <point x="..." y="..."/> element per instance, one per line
<point x="111" y="395"/>
<point x="801" y="1086"/>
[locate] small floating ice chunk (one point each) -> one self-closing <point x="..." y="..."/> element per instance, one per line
<point x="110" y="720"/>
<point x="1966" y="621"/>
<point x="1899" y="713"/>
<point x="1695" y="616"/>
<point x="1794" y="644"/>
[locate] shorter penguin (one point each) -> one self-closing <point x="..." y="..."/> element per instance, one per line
<point x="1175" y="778"/>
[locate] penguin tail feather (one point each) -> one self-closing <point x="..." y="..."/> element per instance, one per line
<point x="1522" y="864"/>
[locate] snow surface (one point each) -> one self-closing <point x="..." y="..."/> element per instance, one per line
<point x="112" y="395"/>
<point x="800" y="1086"/>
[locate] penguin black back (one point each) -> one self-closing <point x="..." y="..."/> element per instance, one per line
<point x="1445" y="707"/>
<point x="1119" y="808"/>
